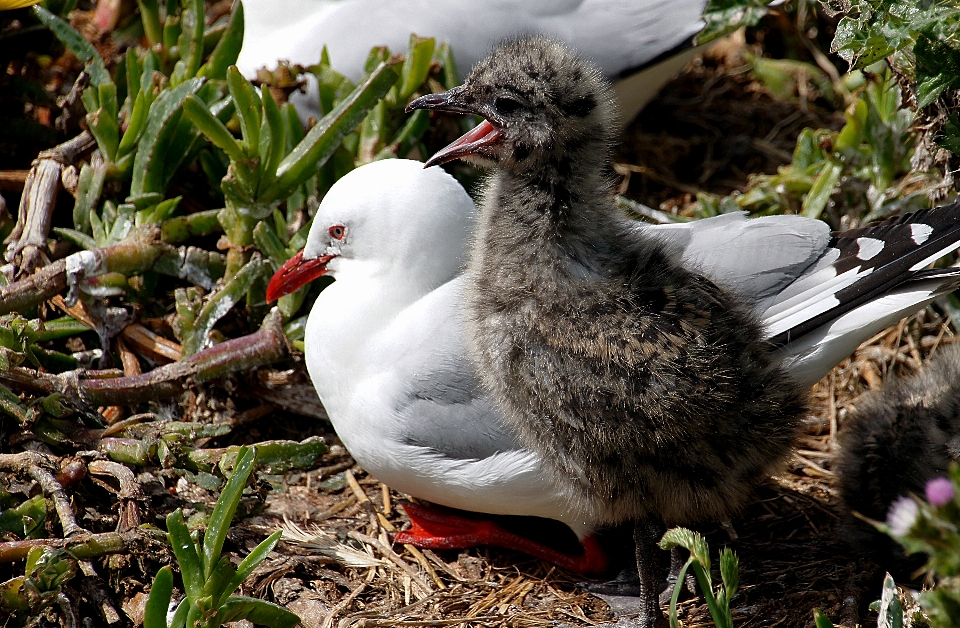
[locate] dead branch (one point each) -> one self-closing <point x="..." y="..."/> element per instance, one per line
<point x="13" y="180"/>
<point x="147" y="541"/>
<point x="53" y="490"/>
<point x="25" y="246"/>
<point x="129" y="495"/>
<point x="21" y="462"/>
<point x="266" y="346"/>
<point x="38" y="287"/>
<point x="139" y="252"/>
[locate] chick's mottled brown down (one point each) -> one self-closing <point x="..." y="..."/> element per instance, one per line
<point x="644" y="385"/>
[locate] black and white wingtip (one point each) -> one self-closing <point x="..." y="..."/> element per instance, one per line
<point x="866" y="279"/>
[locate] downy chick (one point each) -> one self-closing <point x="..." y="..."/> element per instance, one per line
<point x="643" y="385"/>
<point x="631" y="358"/>
<point x="894" y="442"/>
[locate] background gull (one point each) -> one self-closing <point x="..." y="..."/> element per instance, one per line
<point x="641" y="44"/>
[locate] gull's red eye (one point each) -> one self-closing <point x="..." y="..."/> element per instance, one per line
<point x="337" y="232"/>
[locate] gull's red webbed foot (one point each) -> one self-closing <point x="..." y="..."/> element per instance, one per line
<point x="436" y="527"/>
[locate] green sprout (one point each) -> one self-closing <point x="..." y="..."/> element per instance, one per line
<point x="718" y="600"/>
<point x="41" y="585"/>
<point x="209" y="579"/>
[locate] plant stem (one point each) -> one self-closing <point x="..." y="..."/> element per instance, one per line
<point x="266" y="346"/>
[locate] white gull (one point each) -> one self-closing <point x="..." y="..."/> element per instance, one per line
<point x="385" y="342"/>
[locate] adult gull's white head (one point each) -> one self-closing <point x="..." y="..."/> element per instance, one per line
<point x="386" y="219"/>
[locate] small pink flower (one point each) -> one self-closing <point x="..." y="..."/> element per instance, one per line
<point x="902" y="515"/>
<point x="939" y="491"/>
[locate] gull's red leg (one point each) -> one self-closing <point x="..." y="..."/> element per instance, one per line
<point x="435" y="527"/>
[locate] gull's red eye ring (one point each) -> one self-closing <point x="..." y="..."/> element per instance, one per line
<point x="337" y="232"/>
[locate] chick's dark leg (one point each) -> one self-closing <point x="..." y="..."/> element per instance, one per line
<point x="646" y="535"/>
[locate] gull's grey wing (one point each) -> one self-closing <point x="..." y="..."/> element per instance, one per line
<point x="437" y="400"/>
<point x="446" y="410"/>
<point x="756" y="258"/>
<point x="819" y="296"/>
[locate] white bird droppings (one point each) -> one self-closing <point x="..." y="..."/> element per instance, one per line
<point x="79" y="266"/>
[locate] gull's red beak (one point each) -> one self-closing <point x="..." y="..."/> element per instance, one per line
<point x="483" y="134"/>
<point x="294" y="273"/>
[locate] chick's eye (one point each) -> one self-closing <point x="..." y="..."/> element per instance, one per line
<point x="337" y="232"/>
<point x="506" y="105"/>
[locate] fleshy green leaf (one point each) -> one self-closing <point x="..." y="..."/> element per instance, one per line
<point x="186" y="140"/>
<point x="190" y="42"/>
<point x="77" y="237"/>
<point x="226" y="506"/>
<point x="890" y="611"/>
<point x="186" y="552"/>
<point x="273" y="142"/>
<point x="138" y="118"/>
<point x="675" y="597"/>
<point x="324" y="138"/>
<point x="821" y="620"/>
<point x="219" y="582"/>
<point x="152" y="153"/>
<point x="725" y="16"/>
<point x="228" y="48"/>
<point x="77" y="45"/>
<point x="248" y="109"/>
<point x="185" y="227"/>
<point x="417" y="65"/>
<point x="729" y="571"/>
<point x="254" y="558"/>
<point x="445" y="55"/>
<point x="270" y="245"/>
<point x="103" y="122"/>
<point x="155" y="612"/>
<point x="181" y="615"/>
<point x="89" y="186"/>
<point x="210" y="126"/>
<point x="221" y="303"/>
<point x="256" y="611"/>
<point x="26" y="519"/>
<point x="150" y="16"/>
<point x="816" y="200"/>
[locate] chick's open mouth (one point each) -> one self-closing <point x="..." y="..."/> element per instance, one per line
<point x="484" y="134"/>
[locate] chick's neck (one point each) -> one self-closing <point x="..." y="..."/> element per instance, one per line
<point x="560" y="215"/>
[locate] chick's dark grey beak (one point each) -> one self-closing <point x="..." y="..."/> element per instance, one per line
<point x="449" y="100"/>
<point x="481" y="135"/>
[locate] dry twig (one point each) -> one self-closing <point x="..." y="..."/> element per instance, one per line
<point x="27" y="242"/>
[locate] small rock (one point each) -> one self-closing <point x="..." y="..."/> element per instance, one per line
<point x="310" y="608"/>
